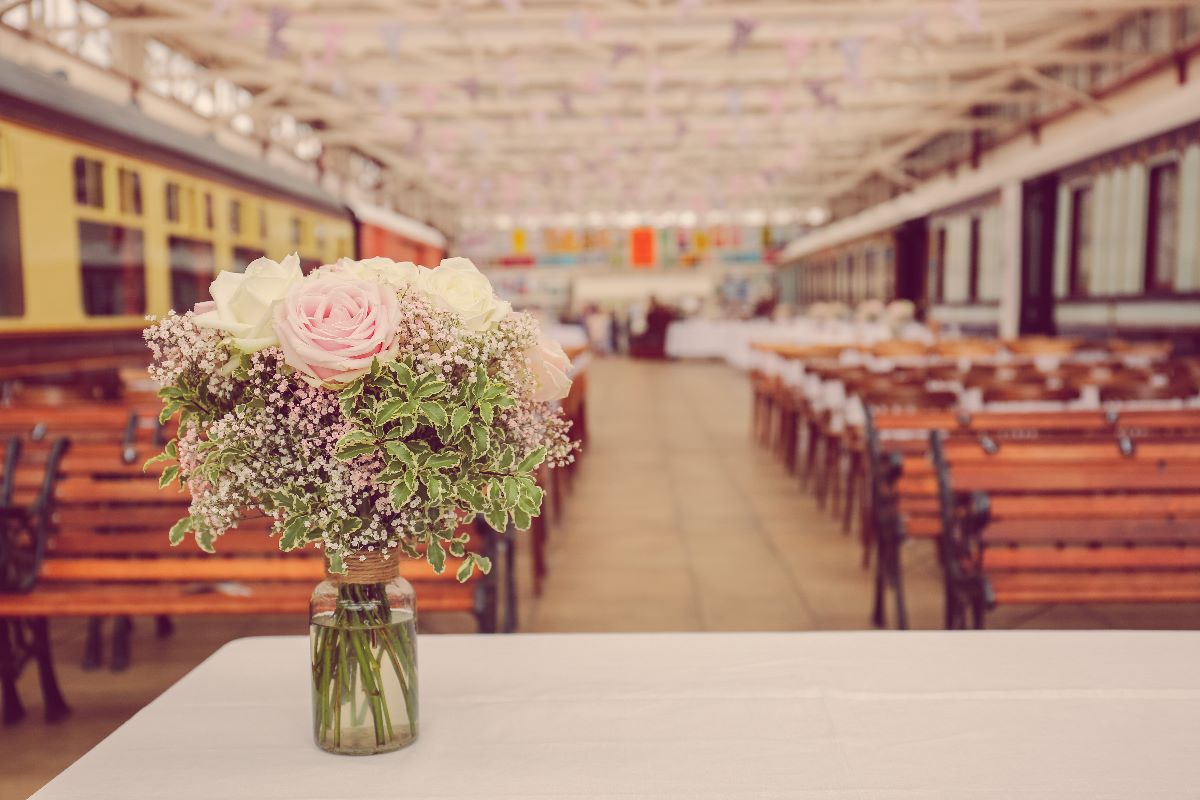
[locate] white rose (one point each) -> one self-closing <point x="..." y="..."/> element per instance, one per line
<point x="456" y="285"/>
<point x="243" y="304"/>
<point x="393" y="274"/>
<point x="549" y="365"/>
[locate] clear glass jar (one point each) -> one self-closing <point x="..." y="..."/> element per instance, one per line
<point x="363" y="641"/>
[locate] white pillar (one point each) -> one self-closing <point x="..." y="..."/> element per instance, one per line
<point x="1010" y="260"/>
<point x="1187" y="275"/>
<point x="1062" y="241"/>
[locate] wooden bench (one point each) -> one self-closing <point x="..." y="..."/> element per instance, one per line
<point x="905" y="500"/>
<point x="103" y="550"/>
<point x="1083" y="521"/>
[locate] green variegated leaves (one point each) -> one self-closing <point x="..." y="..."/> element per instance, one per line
<point x="441" y="446"/>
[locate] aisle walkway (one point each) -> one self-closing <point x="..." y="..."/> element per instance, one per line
<point x="679" y="521"/>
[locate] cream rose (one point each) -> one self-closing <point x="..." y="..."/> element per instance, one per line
<point x="456" y="285"/>
<point x="243" y="304"/>
<point x="549" y="365"/>
<point x="395" y="274"/>
<point x="331" y="327"/>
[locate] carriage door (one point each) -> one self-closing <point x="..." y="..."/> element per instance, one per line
<point x="912" y="247"/>
<point x="1038" y="202"/>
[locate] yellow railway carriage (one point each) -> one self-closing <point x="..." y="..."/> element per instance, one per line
<point x="107" y="215"/>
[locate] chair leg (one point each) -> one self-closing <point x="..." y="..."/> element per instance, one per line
<point x="122" y="630"/>
<point x="828" y="470"/>
<point x="879" y="610"/>
<point x="164" y="626"/>
<point x="977" y="613"/>
<point x="93" y="646"/>
<point x="866" y="527"/>
<point x="537" y="541"/>
<point x="790" y="436"/>
<point x="898" y="590"/>
<point x="10" y="670"/>
<point x="56" y="708"/>
<point x="853" y="477"/>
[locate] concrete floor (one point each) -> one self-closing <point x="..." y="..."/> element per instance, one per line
<point x="675" y="520"/>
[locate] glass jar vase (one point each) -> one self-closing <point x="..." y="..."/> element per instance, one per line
<point x="363" y="640"/>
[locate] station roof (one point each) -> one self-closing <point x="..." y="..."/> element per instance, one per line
<point x="541" y="106"/>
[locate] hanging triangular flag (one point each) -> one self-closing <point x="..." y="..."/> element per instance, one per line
<point x="620" y="52"/>
<point x="391" y="33"/>
<point x="743" y="29"/>
<point x="968" y="11"/>
<point x="796" y="48"/>
<point x="332" y="36"/>
<point x="852" y="50"/>
<point x="472" y="87"/>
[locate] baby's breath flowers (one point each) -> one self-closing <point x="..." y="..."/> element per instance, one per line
<point x="371" y="417"/>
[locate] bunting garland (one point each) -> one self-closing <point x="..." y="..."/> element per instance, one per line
<point x="743" y="29"/>
<point x="391" y="33"/>
<point x="852" y="50"/>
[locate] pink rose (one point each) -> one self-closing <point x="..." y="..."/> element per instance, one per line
<point x="331" y="327"/>
<point x="550" y="366"/>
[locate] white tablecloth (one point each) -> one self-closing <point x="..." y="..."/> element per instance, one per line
<point x="870" y="716"/>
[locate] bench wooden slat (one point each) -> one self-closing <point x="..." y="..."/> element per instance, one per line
<point x="1038" y="588"/>
<point x="183" y="599"/>
<point x="1095" y="531"/>
<point x="1042" y="478"/>
<point x="205" y="567"/>
<point x="1089" y="558"/>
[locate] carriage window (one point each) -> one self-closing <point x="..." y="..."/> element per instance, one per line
<point x="1080" y="265"/>
<point x="12" y="287"/>
<point x="262" y="223"/>
<point x="89" y="182"/>
<point x="296" y="230"/>
<point x="242" y="256"/>
<point x="191" y="272"/>
<point x="1162" y="228"/>
<point x="174" y="212"/>
<point x="129" y="184"/>
<point x="209" y="215"/>
<point x="235" y="216"/>
<point x="973" y="261"/>
<point x="112" y="269"/>
<point x="937" y="287"/>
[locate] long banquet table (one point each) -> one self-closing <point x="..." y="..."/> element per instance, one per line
<point x="871" y="715"/>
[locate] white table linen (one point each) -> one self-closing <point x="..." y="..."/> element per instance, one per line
<point x="870" y="716"/>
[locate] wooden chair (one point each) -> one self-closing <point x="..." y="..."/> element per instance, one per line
<point x="906" y="502"/>
<point x="1044" y="346"/>
<point x="103" y="551"/>
<point x="1140" y="390"/>
<point x="968" y="349"/>
<point x="1082" y="521"/>
<point x="1020" y="392"/>
<point x="900" y="348"/>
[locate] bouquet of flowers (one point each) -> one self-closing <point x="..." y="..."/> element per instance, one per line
<point x="368" y="409"/>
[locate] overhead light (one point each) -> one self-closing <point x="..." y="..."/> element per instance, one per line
<point x="754" y="218"/>
<point x="817" y="215"/>
<point x="687" y="219"/>
<point x="595" y="219"/>
<point x="783" y="216"/>
<point x="628" y="219"/>
<point x="502" y="222"/>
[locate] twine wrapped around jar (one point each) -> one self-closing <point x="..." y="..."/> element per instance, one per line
<point x="374" y="568"/>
